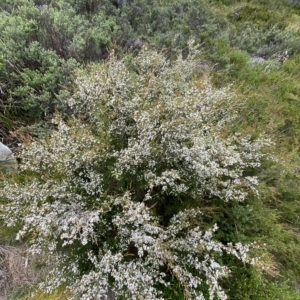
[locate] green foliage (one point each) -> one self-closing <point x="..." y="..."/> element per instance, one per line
<point x="254" y="286"/>
<point x="39" y="45"/>
<point x="181" y="19"/>
<point x="74" y="31"/>
<point x="264" y="42"/>
<point x="30" y="75"/>
<point x="29" y="293"/>
<point x="258" y="14"/>
<point x="269" y="4"/>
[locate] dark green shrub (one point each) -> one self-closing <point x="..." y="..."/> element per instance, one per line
<point x="82" y="34"/>
<point x="40" y="42"/>
<point x="170" y="23"/>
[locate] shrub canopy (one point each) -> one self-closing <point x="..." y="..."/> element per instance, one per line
<point x="114" y="198"/>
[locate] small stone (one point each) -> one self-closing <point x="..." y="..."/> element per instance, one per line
<point x="8" y="162"/>
<point x="5" y="152"/>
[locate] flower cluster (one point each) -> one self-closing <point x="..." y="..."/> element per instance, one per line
<point x="105" y="197"/>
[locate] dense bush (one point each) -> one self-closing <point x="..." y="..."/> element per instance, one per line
<point x="264" y="42"/>
<point x="171" y="24"/>
<point x="40" y="44"/>
<point x="117" y="203"/>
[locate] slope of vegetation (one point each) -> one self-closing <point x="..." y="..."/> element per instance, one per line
<point x="99" y="88"/>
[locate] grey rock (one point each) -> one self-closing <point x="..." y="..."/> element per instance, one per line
<point x="8" y="162"/>
<point x="5" y="153"/>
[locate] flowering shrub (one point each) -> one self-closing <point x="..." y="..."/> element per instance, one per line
<point x="114" y="196"/>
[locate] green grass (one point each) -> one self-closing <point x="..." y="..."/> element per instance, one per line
<point x="59" y="294"/>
